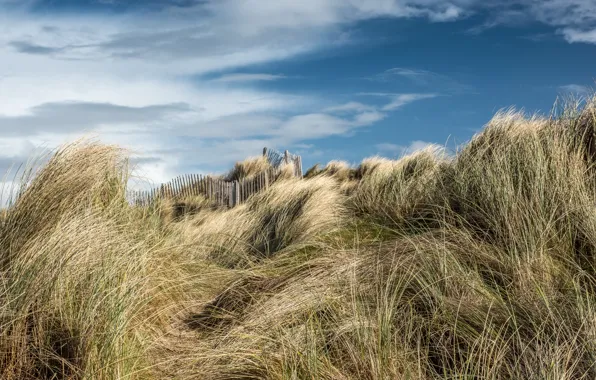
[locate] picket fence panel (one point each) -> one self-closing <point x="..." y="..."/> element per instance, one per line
<point x="224" y="193"/>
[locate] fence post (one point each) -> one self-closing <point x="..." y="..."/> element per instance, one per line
<point x="287" y="157"/>
<point x="300" y="174"/>
<point x="209" y="192"/>
<point x="236" y="193"/>
<point x="265" y="151"/>
<point x="244" y="190"/>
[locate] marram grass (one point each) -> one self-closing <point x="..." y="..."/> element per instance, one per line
<point x="479" y="265"/>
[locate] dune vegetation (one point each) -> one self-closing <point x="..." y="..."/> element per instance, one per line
<point x="475" y="265"/>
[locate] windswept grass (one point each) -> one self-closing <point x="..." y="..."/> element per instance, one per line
<point x="480" y="265"/>
<point x="291" y="212"/>
<point x="248" y="168"/>
<point x="73" y="275"/>
<point x="389" y="191"/>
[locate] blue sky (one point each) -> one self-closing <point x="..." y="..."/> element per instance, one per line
<point x="192" y="86"/>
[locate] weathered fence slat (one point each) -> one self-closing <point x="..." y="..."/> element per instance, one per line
<point x="221" y="193"/>
<point x="210" y="188"/>
<point x="236" y="193"/>
<point x="242" y="191"/>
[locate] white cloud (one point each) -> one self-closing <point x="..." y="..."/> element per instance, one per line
<point x="401" y="100"/>
<point x="319" y="125"/>
<point x="563" y="12"/>
<point x="349" y="107"/>
<point x="575" y="35"/>
<point x="367" y="118"/>
<point x="574" y="19"/>
<point x="424" y="79"/>
<point x="254" y="16"/>
<point x="68" y="117"/>
<point x="242" y="77"/>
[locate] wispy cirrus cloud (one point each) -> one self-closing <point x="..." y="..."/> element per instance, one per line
<point x="349" y="107"/>
<point x="248" y="77"/>
<point x="423" y="79"/>
<point x="33" y="48"/>
<point x="68" y="117"/>
<point x="401" y="100"/>
<point x="539" y="37"/>
<point x="397" y="100"/>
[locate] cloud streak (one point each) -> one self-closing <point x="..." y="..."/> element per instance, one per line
<point x="401" y="100"/>
<point x="245" y="77"/>
<point x="423" y="79"/>
<point x="68" y="117"/>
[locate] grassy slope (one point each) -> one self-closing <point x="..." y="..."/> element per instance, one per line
<point x="480" y="265"/>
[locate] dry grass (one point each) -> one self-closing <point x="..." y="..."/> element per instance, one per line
<point x="291" y="212"/>
<point x="339" y="170"/>
<point x="248" y="168"/>
<point x="175" y="209"/>
<point x="72" y="289"/>
<point x="389" y="191"/>
<point x="481" y="265"/>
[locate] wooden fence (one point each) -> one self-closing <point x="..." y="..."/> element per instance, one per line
<point x="222" y="192"/>
<point x="277" y="159"/>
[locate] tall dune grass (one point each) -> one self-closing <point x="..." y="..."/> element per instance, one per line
<point x="72" y="276"/>
<point x="389" y="191"/>
<point x="290" y="212"/>
<point x="481" y="265"/>
<point x="248" y="168"/>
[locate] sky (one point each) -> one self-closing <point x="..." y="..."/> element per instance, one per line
<point x="191" y="86"/>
